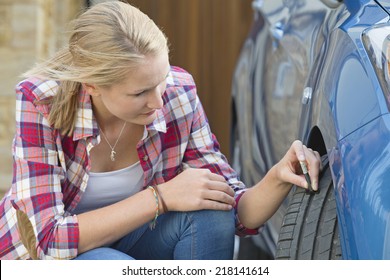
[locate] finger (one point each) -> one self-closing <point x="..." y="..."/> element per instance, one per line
<point x="298" y="149"/>
<point x="295" y="179"/>
<point x="222" y="187"/>
<point x="220" y="197"/>
<point x="312" y="162"/>
<point x="215" y="205"/>
<point x="313" y="166"/>
<point x="318" y="156"/>
<point x="216" y="177"/>
<point x="208" y="174"/>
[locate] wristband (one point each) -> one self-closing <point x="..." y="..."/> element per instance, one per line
<point x="164" y="206"/>
<point x="157" y="213"/>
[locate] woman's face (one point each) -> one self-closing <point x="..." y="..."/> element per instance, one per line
<point x="137" y="98"/>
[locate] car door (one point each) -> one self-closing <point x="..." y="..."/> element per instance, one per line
<point x="294" y="44"/>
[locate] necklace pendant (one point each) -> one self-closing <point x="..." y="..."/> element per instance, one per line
<point x="112" y="156"/>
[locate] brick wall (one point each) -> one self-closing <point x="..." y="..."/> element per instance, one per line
<point x="30" y="30"/>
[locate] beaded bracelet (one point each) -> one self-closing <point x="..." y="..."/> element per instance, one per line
<point x="164" y="206"/>
<point x="153" y="223"/>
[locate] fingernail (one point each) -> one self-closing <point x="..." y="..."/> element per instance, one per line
<point x="301" y="157"/>
<point x="315" y="186"/>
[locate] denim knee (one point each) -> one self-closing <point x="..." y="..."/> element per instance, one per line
<point x="212" y="234"/>
<point x="103" y="253"/>
<point x="217" y="223"/>
<point x="204" y="234"/>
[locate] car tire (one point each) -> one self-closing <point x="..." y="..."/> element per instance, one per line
<point x="310" y="228"/>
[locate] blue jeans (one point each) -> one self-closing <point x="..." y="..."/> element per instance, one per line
<point x="197" y="235"/>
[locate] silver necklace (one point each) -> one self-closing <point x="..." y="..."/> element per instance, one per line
<point x="113" y="153"/>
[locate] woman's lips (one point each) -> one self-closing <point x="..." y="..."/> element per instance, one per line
<point x="150" y="113"/>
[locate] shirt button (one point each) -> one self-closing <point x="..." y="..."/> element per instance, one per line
<point x="145" y="158"/>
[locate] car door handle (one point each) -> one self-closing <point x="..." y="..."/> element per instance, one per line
<point x="306" y="95"/>
<point x="277" y="30"/>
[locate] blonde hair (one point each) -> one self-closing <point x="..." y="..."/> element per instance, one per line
<point x="106" y="41"/>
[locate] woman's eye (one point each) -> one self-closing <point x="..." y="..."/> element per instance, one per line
<point x="140" y="93"/>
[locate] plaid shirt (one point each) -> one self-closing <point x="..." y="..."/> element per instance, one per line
<point x="51" y="170"/>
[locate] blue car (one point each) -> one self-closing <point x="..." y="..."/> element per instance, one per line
<point x="319" y="71"/>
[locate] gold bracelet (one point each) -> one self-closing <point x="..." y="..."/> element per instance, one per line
<point x="153" y="223"/>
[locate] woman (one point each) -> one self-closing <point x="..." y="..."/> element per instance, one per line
<point x="114" y="158"/>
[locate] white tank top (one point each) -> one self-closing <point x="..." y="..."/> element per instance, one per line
<point x="105" y="188"/>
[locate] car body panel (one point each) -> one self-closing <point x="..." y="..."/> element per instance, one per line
<point x="363" y="190"/>
<point x="298" y="45"/>
<point x="385" y="4"/>
<point x="354" y="100"/>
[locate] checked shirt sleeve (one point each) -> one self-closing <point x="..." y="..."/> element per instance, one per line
<point x="45" y="230"/>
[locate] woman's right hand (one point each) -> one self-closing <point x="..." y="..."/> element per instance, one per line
<point x="197" y="189"/>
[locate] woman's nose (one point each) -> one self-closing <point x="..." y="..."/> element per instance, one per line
<point x="155" y="100"/>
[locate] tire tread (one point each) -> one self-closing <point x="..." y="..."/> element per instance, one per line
<point x="310" y="229"/>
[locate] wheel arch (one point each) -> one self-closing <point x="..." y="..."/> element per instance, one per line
<point x="316" y="141"/>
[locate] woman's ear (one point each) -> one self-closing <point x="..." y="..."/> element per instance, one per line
<point x="91" y="89"/>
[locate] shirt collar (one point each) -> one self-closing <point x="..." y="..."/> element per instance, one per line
<point x="159" y="123"/>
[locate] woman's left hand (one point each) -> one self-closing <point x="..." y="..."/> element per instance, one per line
<point x="289" y="168"/>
